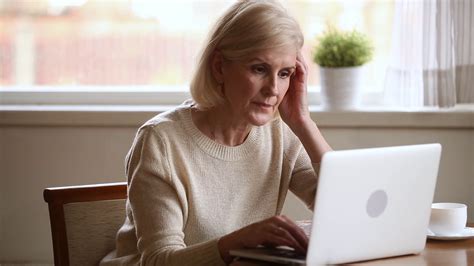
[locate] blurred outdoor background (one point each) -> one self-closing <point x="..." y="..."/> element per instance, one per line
<point x="150" y="42"/>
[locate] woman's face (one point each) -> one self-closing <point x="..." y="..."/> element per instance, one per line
<point x="254" y="88"/>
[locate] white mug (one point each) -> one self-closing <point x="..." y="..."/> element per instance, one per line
<point x="448" y="218"/>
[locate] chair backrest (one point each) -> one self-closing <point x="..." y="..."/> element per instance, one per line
<point x="84" y="221"/>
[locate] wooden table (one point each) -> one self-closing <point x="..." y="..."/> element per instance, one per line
<point x="436" y="252"/>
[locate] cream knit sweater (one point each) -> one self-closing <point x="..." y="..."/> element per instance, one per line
<point x="185" y="191"/>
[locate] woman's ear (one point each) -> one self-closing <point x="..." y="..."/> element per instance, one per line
<point x="217" y="63"/>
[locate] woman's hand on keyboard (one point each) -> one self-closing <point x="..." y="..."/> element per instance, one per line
<point x="275" y="231"/>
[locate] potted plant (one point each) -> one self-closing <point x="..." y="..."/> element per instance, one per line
<point x="341" y="56"/>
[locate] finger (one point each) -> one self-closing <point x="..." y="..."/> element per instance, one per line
<point x="275" y="241"/>
<point x="301" y="71"/>
<point x="301" y="59"/>
<point x="299" y="232"/>
<point x="281" y="232"/>
<point x="293" y="229"/>
<point x="280" y="237"/>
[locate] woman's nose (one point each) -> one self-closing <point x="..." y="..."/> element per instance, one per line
<point x="271" y="87"/>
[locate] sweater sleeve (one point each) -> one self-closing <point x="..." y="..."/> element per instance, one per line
<point x="304" y="179"/>
<point x="159" y="207"/>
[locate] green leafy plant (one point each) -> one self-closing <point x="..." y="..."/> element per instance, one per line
<point x="337" y="48"/>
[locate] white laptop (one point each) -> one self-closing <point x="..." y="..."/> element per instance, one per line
<point x="371" y="203"/>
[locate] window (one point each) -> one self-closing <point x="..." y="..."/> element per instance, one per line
<point x="101" y="48"/>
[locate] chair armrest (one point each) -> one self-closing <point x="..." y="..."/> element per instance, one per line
<point x="107" y="191"/>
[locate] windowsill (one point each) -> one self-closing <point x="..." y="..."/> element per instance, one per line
<point x="460" y="117"/>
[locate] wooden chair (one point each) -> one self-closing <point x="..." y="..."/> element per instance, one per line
<point x="84" y="221"/>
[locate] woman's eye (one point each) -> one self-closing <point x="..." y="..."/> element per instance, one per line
<point x="284" y="74"/>
<point x="259" y="69"/>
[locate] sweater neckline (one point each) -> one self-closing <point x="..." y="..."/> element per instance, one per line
<point x="217" y="150"/>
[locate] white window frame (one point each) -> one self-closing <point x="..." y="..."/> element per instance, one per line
<point x="126" y="95"/>
<point x="93" y="95"/>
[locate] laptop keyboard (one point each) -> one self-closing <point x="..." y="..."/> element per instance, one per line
<point x="287" y="253"/>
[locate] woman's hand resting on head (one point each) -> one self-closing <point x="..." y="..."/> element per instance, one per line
<point x="274" y="231"/>
<point x="294" y="106"/>
<point x="295" y="113"/>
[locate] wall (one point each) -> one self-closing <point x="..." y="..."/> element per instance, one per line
<point x="45" y="149"/>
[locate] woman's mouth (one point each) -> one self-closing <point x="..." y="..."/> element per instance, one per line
<point x="263" y="105"/>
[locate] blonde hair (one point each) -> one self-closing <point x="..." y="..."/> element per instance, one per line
<point x="247" y="27"/>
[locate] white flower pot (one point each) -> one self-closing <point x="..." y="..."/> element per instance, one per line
<point x="341" y="87"/>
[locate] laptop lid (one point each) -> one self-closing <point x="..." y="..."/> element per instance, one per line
<point x="373" y="203"/>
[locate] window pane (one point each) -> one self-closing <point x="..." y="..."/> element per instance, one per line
<point x="148" y="42"/>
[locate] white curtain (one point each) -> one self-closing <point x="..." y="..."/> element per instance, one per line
<point x="432" y="58"/>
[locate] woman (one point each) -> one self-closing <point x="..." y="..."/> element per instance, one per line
<point x="212" y="174"/>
